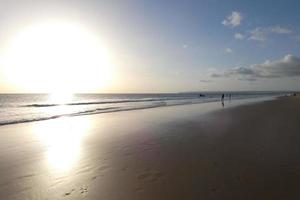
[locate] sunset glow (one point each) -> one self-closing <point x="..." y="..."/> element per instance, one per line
<point x="57" y="57"/>
<point x="136" y="99"/>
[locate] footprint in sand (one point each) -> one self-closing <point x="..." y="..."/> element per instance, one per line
<point x="143" y="176"/>
<point x="69" y="193"/>
<point x="97" y="176"/>
<point x="150" y="176"/>
<point x="83" y="190"/>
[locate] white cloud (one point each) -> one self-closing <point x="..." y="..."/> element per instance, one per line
<point x="233" y="20"/>
<point x="288" y="66"/>
<point x="228" y="50"/>
<point x="239" y="36"/>
<point x="261" y="34"/>
<point x="258" y="34"/>
<point x="280" y="30"/>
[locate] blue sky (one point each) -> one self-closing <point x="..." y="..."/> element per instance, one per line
<point x="169" y="46"/>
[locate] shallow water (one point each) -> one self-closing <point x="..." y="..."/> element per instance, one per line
<point x="19" y="108"/>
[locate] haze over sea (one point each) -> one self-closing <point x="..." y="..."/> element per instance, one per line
<point x="19" y="108"/>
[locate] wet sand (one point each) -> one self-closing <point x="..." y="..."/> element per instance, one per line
<point x="182" y="152"/>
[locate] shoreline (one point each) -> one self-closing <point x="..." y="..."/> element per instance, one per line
<point x="181" y="152"/>
<point x="234" y="102"/>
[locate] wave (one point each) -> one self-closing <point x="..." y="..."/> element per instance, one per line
<point x="155" y="103"/>
<point x="56" y="116"/>
<point x="95" y="111"/>
<point x="109" y="102"/>
<point x="41" y="105"/>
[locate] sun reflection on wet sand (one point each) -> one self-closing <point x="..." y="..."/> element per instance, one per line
<point x="62" y="139"/>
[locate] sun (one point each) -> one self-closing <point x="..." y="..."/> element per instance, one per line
<point x="57" y="57"/>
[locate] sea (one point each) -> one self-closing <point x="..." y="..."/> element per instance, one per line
<point x="21" y="108"/>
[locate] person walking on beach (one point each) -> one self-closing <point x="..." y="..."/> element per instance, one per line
<point x="222" y="99"/>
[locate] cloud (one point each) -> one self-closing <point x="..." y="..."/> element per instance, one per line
<point x="261" y="34"/>
<point x="233" y="20"/>
<point x="280" y="30"/>
<point x="228" y="50"/>
<point x="258" y="34"/>
<point x="288" y="66"/>
<point x="239" y="36"/>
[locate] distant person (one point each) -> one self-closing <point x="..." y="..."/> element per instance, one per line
<point x="222" y="99"/>
<point x="229" y="96"/>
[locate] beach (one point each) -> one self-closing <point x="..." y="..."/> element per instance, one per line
<point x="197" y="151"/>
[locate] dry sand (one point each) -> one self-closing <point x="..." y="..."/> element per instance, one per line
<point x="183" y="152"/>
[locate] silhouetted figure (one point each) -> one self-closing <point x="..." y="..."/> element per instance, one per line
<point x="222" y="99"/>
<point x="229" y="96"/>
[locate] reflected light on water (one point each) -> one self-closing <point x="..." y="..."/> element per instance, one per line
<point x="62" y="139"/>
<point x="60" y="97"/>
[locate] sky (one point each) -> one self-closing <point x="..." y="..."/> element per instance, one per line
<point x="154" y="46"/>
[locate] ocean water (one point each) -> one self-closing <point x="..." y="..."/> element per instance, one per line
<point x="20" y="108"/>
